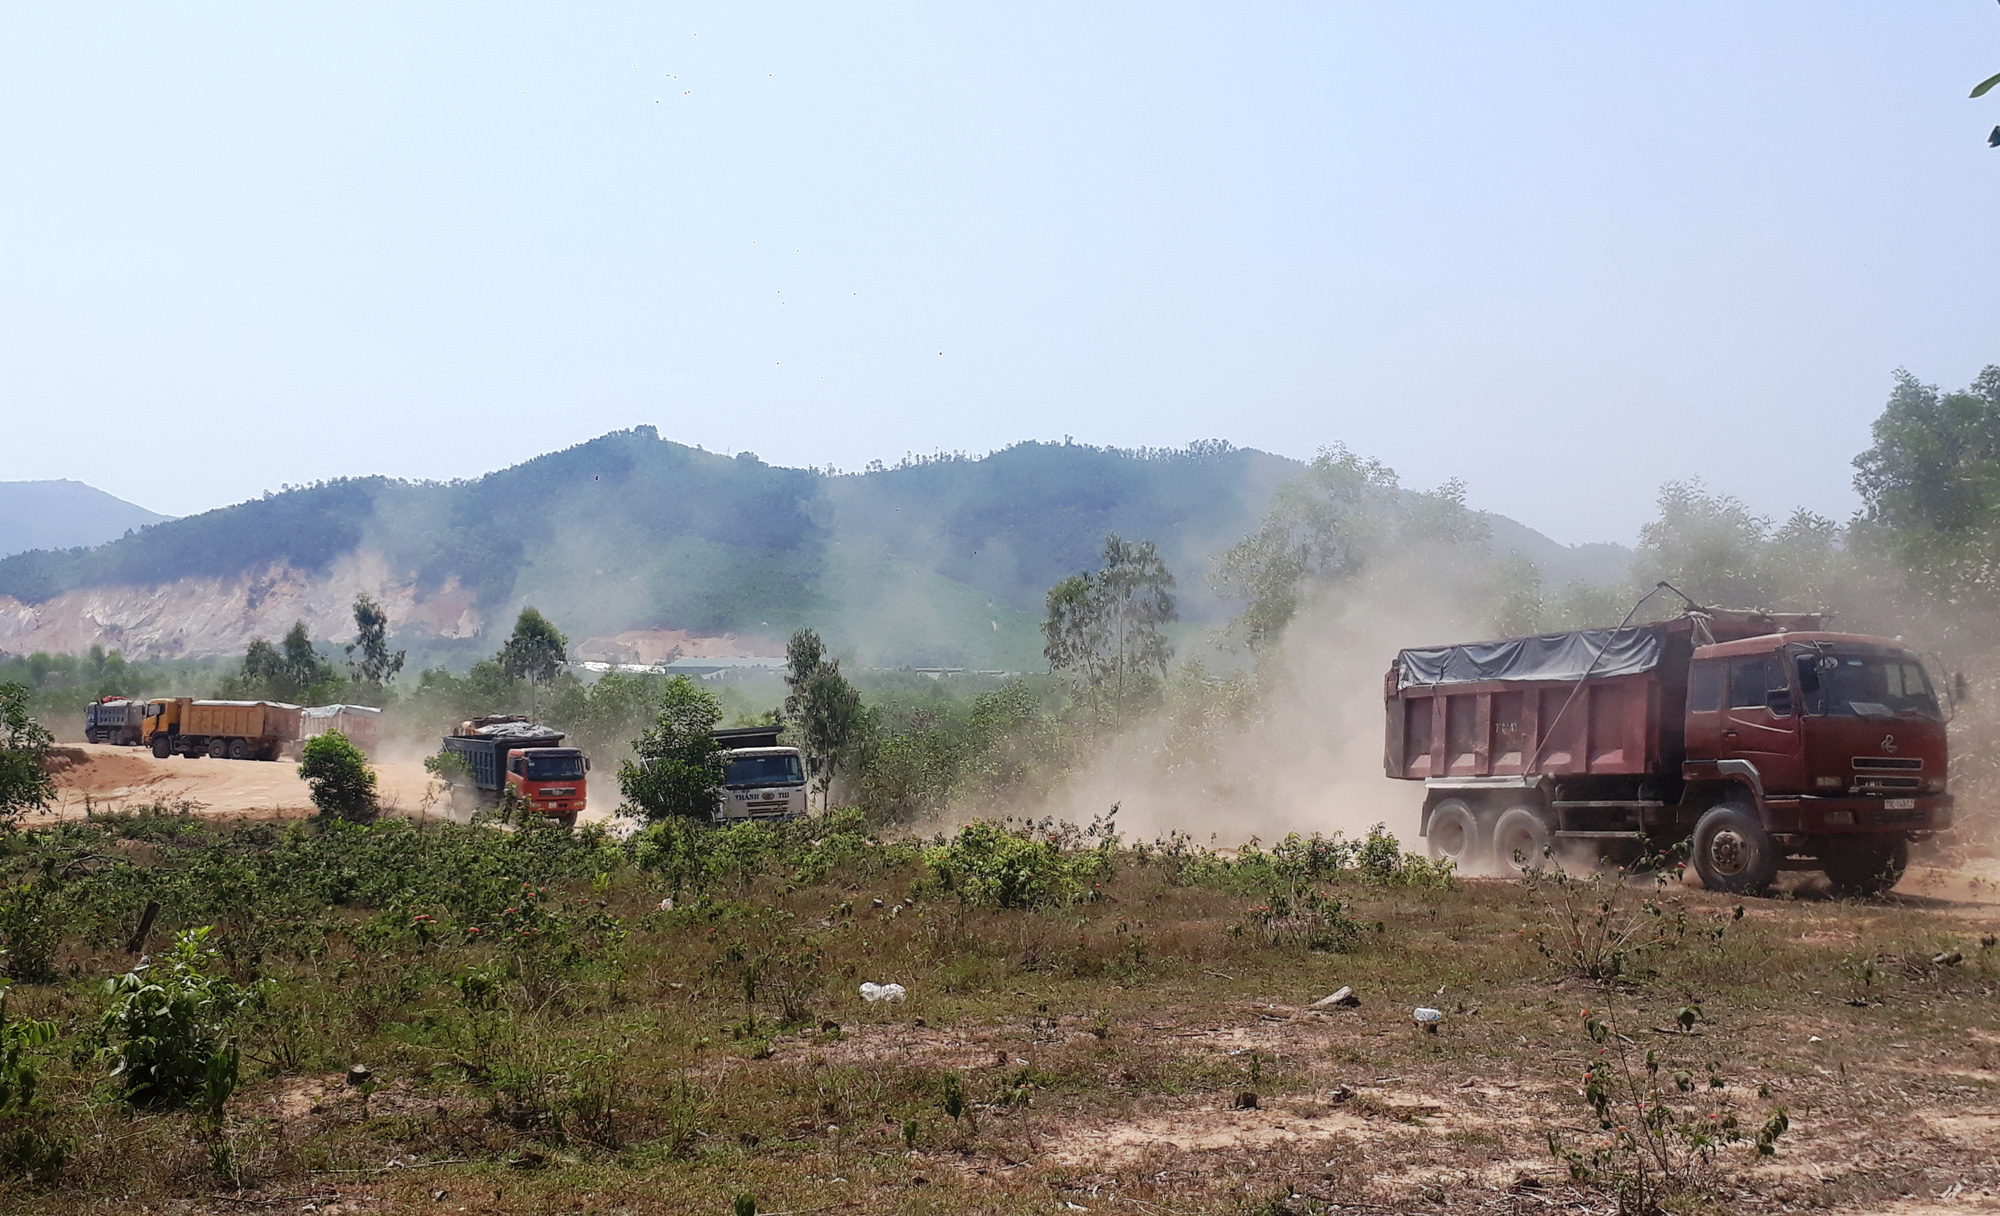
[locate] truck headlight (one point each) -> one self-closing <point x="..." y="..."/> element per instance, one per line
<point x="1840" y="819"/>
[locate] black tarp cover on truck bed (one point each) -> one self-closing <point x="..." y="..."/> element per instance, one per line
<point x="1548" y="656"/>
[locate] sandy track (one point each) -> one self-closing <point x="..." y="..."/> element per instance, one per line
<point x="105" y="777"/>
<point x="111" y="778"/>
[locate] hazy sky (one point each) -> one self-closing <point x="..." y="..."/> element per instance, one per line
<point x="1562" y="251"/>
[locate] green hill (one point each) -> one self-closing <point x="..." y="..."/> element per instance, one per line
<point x="934" y="561"/>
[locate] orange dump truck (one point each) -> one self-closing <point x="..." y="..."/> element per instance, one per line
<point x="511" y="753"/>
<point x="225" y="730"/>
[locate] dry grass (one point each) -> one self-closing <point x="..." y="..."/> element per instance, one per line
<point x="1103" y="1049"/>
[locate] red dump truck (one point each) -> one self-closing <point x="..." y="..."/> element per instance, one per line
<point x="1759" y="739"/>
<point x="508" y="752"/>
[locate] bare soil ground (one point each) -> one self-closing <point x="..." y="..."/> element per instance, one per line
<point x="1186" y="1076"/>
<point x="103" y="777"/>
<point x="1141" y="1052"/>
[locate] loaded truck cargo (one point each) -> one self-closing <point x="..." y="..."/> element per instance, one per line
<point x="761" y="780"/>
<point x="1759" y="741"/>
<point x="224" y="730"/>
<point x="361" y="725"/>
<point x="512" y="753"/>
<point x="114" y="719"/>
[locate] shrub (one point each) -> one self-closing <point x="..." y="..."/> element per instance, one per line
<point x="987" y="865"/>
<point x="1381" y="859"/>
<point x="342" y="784"/>
<point x="169" y="1035"/>
<point x="1663" y="1126"/>
<point x="24" y="745"/>
<point x="28" y="1144"/>
<point x="31" y="927"/>
<point x="1306" y="917"/>
<point x="679" y="766"/>
<point x="449" y="766"/>
<point x="1598" y="927"/>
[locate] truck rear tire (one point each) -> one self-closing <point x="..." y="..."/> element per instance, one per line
<point x="1521" y="839"/>
<point x="1865" y="867"/>
<point x="1455" y="835"/>
<point x="1733" y="853"/>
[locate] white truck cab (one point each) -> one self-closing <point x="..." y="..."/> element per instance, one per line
<point x="761" y="780"/>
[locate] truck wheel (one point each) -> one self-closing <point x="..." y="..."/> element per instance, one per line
<point x="90" y="734"/>
<point x="161" y="748"/>
<point x="239" y="749"/>
<point x="1732" y="853"/>
<point x="1865" y="868"/>
<point x="1521" y="839"/>
<point x="567" y="820"/>
<point x="1455" y="835"/>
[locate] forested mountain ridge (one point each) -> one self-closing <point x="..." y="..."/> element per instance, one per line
<point x="934" y="560"/>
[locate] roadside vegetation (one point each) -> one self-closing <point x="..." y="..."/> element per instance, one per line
<point x="255" y="1013"/>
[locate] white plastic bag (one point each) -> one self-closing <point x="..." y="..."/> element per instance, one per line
<point x="883" y="992"/>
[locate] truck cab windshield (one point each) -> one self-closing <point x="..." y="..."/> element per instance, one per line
<point x="1864" y="683"/>
<point x="764" y="770"/>
<point x="555" y="768"/>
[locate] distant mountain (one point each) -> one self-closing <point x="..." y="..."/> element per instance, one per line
<point x="933" y="561"/>
<point x="63" y="515"/>
<point x="1600" y="562"/>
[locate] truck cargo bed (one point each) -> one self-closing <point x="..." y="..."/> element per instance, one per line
<point x="1600" y="702"/>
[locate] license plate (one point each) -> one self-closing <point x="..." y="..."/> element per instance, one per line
<point x="1899" y="804"/>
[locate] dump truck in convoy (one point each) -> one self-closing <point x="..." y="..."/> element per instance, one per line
<point x="761" y="780"/>
<point x="1760" y="741"/>
<point x="114" y="719"/>
<point x="360" y="725"/>
<point x="511" y="753"/>
<point x="225" y="730"/>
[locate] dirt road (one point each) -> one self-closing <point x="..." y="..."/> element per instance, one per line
<point x="105" y="777"/>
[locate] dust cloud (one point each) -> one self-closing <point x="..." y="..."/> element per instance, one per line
<point x="1305" y="753"/>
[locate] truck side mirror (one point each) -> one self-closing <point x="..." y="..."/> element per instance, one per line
<point x="1779" y="702"/>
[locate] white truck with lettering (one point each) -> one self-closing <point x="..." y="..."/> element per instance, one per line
<point x="761" y="780"/>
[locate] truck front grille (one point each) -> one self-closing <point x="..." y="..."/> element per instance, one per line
<point x="1906" y="764"/>
<point x="1863" y="785"/>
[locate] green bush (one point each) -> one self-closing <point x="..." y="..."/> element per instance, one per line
<point x="1381" y="859"/>
<point x="24" y="743"/>
<point x="449" y="766"/>
<point x="679" y="769"/>
<point x="31" y="927"/>
<point x="169" y="1035"/>
<point x="29" y="1146"/>
<point x="1306" y="917"/>
<point x="342" y="784"/>
<point x="988" y="865"/>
